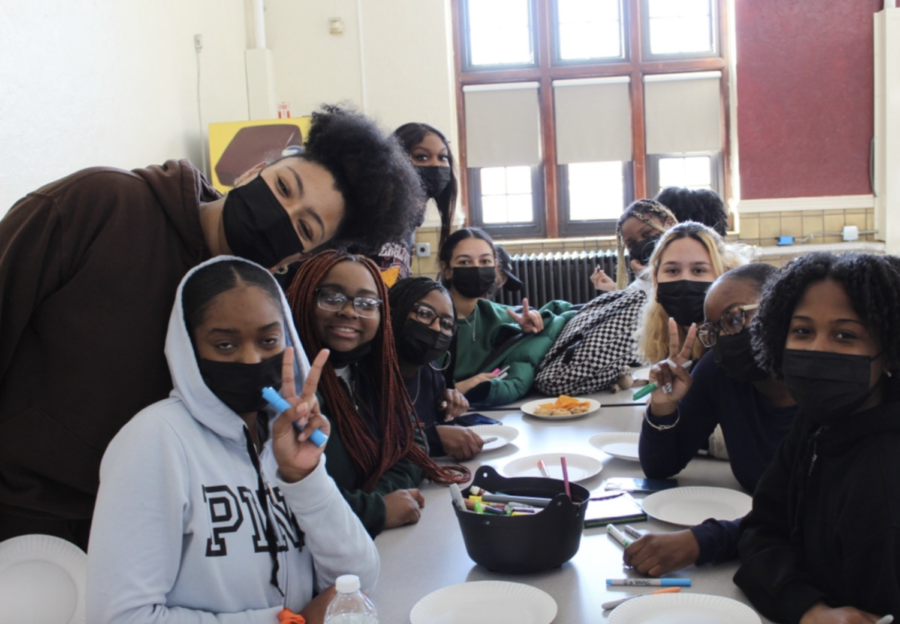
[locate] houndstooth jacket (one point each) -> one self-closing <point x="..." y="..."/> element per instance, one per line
<point x="595" y="346"/>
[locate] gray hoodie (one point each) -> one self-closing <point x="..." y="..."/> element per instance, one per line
<point x="178" y="532"/>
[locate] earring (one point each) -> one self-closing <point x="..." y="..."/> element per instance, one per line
<point x="449" y="359"/>
<point x="888" y="373"/>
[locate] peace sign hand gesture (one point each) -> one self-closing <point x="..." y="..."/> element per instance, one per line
<point x="530" y="320"/>
<point x="295" y="453"/>
<point x="672" y="379"/>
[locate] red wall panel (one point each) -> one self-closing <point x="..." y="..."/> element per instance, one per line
<point x="804" y="93"/>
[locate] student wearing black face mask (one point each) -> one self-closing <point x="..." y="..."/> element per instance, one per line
<point x="726" y="388"/>
<point x="823" y="539"/>
<point x="224" y="506"/>
<point x="430" y="152"/>
<point x="424" y="322"/>
<point x="491" y="335"/>
<point x="88" y="274"/>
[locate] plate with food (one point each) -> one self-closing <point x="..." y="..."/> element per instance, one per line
<point x="562" y="408"/>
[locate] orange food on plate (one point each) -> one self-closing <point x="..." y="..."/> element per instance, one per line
<point x="565" y="405"/>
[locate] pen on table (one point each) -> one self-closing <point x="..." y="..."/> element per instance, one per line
<point x="488" y="440"/>
<point x="658" y="582"/>
<point x="650" y="387"/>
<point x="633" y="532"/>
<point x="275" y="400"/>
<point x="617" y="535"/>
<point x="607" y="497"/>
<point x="565" y="470"/>
<point x="612" y="604"/>
<point x="543" y="468"/>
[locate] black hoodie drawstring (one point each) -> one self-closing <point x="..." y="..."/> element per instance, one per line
<point x="263" y="496"/>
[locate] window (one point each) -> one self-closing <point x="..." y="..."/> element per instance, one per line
<point x="571" y="109"/>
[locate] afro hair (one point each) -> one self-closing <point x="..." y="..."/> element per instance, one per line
<point x="383" y="195"/>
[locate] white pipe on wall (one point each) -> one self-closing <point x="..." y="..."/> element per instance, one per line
<point x="259" y="24"/>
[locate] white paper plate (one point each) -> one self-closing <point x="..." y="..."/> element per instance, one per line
<point x="42" y="580"/>
<point x="580" y="467"/>
<point x="529" y="408"/>
<point x="485" y="602"/>
<point x="504" y="435"/>
<point x="621" y="445"/>
<point x="687" y="506"/>
<point x="683" y="609"/>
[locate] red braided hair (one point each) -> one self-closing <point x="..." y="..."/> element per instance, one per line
<point x="397" y="440"/>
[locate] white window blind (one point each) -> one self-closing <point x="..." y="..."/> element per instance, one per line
<point x="593" y="120"/>
<point x="683" y="112"/>
<point x="502" y="125"/>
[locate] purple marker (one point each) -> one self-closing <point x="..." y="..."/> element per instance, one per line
<point x="275" y="400"/>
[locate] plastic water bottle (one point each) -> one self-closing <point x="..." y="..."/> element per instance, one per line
<point x="350" y="606"/>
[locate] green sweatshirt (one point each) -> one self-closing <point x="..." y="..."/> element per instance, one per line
<point x="369" y="506"/>
<point x="491" y="326"/>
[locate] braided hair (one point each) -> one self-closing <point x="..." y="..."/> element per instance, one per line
<point x="872" y="284"/>
<point x="397" y="440"/>
<point x="642" y="210"/>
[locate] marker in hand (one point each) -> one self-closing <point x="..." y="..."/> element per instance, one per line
<point x="650" y="387"/>
<point x="277" y="401"/>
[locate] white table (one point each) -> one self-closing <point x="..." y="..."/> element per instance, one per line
<point x="419" y="559"/>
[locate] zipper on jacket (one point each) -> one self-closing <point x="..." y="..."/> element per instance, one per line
<point x="815" y="442"/>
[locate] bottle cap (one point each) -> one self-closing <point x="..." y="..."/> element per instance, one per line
<point x="347" y="584"/>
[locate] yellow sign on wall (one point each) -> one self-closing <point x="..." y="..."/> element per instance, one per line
<point x="237" y="146"/>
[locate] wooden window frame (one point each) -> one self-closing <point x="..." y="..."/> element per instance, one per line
<point x="636" y="66"/>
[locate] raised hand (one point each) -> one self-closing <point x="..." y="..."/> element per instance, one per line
<point x="296" y="455"/>
<point x="602" y="281"/>
<point x="530" y="320"/>
<point x="672" y="379"/>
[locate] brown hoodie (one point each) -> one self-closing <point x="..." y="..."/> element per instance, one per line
<point x="88" y="270"/>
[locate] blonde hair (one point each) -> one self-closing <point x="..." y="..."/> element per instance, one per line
<point x="643" y="210"/>
<point x="652" y="335"/>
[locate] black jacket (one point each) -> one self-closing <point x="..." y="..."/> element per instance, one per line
<point x="825" y="524"/>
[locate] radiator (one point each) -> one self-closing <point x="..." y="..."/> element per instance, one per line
<point x="566" y="276"/>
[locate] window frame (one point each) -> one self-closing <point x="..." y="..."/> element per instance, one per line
<point x="672" y="56"/>
<point x="467" y="49"/>
<point x="535" y="229"/>
<point x="716" y="175"/>
<point x="557" y="59"/>
<point x="598" y="227"/>
<point x="548" y="197"/>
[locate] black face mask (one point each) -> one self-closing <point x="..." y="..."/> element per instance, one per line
<point x="340" y="359"/>
<point x="683" y="300"/>
<point x="239" y="386"/>
<point x="473" y="282"/>
<point x="828" y="387"/>
<point x="644" y="249"/>
<point x="434" y="179"/>
<point x="733" y="353"/>
<point x="257" y="227"/>
<point x="419" y="344"/>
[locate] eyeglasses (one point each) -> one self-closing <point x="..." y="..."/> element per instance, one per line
<point x="732" y="322"/>
<point x="365" y="307"/>
<point x="425" y="314"/>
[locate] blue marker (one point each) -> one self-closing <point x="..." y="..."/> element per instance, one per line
<point x="275" y="400"/>
<point x="659" y="582"/>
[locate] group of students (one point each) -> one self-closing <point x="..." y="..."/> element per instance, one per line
<point x="213" y="503"/>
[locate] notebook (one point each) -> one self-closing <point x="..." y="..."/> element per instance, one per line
<point x="613" y="511"/>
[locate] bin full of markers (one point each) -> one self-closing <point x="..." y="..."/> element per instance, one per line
<point x="521" y="542"/>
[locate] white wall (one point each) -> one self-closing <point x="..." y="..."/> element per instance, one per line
<point x="405" y="72"/>
<point x="112" y="82"/>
